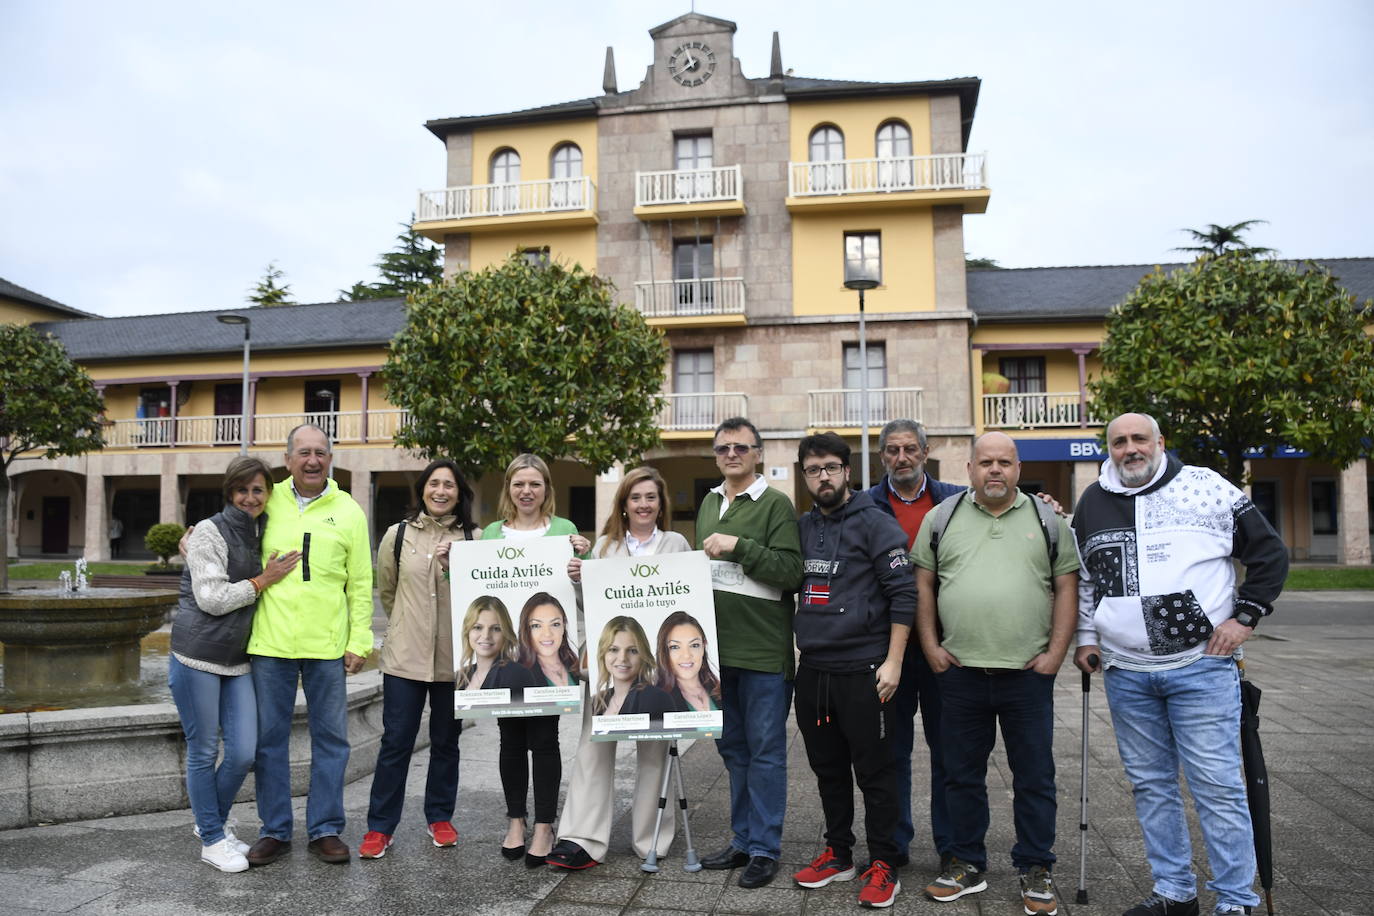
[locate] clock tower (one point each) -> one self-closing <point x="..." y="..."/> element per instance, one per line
<point x="694" y="58"/>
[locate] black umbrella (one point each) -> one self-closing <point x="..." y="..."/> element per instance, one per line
<point x="1257" y="786"/>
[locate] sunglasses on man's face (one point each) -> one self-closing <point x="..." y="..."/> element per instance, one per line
<point x="733" y="448"/>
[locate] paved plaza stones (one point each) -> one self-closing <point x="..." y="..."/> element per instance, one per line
<point x="1313" y="659"/>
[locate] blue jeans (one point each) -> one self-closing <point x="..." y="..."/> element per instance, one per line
<point x="918" y="688"/>
<point x="1188" y="715"/>
<point x="403" y="700"/>
<point x="974" y="704"/>
<point x="326" y="701"/>
<point x="208" y="704"/>
<point x="753" y="745"/>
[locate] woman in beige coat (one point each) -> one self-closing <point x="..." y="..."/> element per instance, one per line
<point x="417" y="657"/>
<point x="638" y="528"/>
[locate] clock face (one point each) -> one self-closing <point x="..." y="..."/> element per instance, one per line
<point x="692" y="63"/>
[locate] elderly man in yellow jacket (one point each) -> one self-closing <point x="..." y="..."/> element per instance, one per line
<point x="315" y="628"/>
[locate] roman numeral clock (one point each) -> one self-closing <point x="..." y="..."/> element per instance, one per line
<point x="692" y="63"/>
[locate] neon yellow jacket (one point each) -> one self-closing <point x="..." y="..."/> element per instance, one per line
<point x="329" y="612"/>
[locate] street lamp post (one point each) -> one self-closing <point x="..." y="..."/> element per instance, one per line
<point x="862" y="283"/>
<point x="243" y="421"/>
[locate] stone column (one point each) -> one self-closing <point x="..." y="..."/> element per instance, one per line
<point x="169" y="492"/>
<point x="1084" y="473"/>
<point x="1354" y="546"/>
<point x="606" y="485"/>
<point x="362" y="494"/>
<point x="781" y="453"/>
<point x="952" y="454"/>
<point x="97" y="516"/>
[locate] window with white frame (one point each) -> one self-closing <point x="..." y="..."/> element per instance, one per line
<point x="694" y="383"/>
<point x="854" y="379"/>
<point x="565" y="168"/>
<point x="894" y="142"/>
<point x="863" y="256"/>
<point x="693" y="263"/>
<point x="826" y="150"/>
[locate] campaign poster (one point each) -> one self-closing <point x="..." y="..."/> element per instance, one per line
<point x="653" y="669"/>
<point x="515" y="618"/>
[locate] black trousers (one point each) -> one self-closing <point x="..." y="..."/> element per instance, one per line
<point x="403" y="701"/>
<point x="532" y="740"/>
<point x="848" y="735"/>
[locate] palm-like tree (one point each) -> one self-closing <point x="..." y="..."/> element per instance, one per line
<point x="1217" y="240"/>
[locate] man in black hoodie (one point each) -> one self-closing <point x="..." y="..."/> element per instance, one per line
<point x="855" y="612"/>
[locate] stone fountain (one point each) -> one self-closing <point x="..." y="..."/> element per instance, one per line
<point x="73" y="639"/>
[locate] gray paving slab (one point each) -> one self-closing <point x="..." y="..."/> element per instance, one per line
<point x="1313" y="659"/>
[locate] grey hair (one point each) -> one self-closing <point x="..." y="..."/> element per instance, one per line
<point x="291" y="437"/>
<point x="1154" y="424"/>
<point x="902" y="425"/>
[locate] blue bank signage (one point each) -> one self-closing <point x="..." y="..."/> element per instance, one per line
<point x="1092" y="450"/>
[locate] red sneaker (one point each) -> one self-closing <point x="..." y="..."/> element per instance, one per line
<point x="826" y="868"/>
<point x="442" y="833"/>
<point x="881" y="886"/>
<point x="374" y="845"/>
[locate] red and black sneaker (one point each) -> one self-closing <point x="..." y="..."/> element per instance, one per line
<point x="826" y="868"/>
<point x="881" y="886"/>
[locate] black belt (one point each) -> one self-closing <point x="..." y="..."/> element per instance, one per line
<point x="995" y="671"/>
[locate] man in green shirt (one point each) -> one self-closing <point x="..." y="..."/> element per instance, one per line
<point x="749" y="530"/>
<point x="997" y="602"/>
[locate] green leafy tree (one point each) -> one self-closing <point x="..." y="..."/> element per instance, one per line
<point x="1237" y="352"/>
<point x="981" y="263"/>
<point x="269" y="291"/>
<point x="523" y="358"/>
<point x="1217" y="240"/>
<point x="48" y="407"/>
<point x="411" y="266"/>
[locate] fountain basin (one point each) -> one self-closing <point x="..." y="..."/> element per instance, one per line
<point x="62" y="643"/>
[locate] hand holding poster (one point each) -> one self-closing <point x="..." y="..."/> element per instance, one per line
<point x="514" y="628"/>
<point x="651" y="635"/>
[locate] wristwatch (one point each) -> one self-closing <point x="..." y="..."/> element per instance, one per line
<point x="1247" y="618"/>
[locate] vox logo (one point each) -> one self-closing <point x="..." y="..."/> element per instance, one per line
<point x="510" y="553"/>
<point x="641" y="570"/>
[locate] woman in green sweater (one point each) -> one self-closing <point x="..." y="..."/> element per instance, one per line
<point x="527" y="510"/>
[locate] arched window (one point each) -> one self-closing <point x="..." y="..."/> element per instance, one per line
<point x="566" y="161"/>
<point x="894" y="142"/>
<point x="505" y="166"/>
<point x="827" y="146"/>
<point x="565" y="170"/>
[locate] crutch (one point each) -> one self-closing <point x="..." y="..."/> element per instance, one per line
<point x="1082" y="896"/>
<point x="674" y="767"/>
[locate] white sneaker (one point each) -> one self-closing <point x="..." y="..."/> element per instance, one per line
<point x="234" y="841"/>
<point x="224" y="856"/>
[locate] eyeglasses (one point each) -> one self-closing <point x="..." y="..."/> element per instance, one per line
<point x="892" y="451"/>
<point x="830" y="470"/>
<point x="733" y="448"/>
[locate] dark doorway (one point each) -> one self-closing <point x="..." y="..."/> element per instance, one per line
<point x="56" y="523"/>
<point x="322" y="405"/>
<point x="138" y="510"/>
<point x="582" y="507"/>
<point x="228" y="413"/>
<point x="390" y="507"/>
<point x="202" y="503"/>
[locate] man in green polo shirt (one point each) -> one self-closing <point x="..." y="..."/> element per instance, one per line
<point x="995" y="615"/>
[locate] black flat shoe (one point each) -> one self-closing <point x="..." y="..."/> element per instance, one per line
<point x="533" y="861"/>
<point x="761" y="870"/>
<point x="512" y="854"/>
<point x="727" y="858"/>
<point x="567" y="854"/>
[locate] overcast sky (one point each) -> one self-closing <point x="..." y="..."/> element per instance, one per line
<point x="155" y="156"/>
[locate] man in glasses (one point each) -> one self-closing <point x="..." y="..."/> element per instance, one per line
<point x="749" y="531"/>
<point x="907" y="493"/>
<point x="857" y="607"/>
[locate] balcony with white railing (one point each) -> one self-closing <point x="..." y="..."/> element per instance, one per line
<point x="900" y="181"/>
<point x="708" y="301"/>
<point x="1031" y="411"/>
<point x="689" y="192"/>
<point x="345" y="427"/>
<point x="701" y="413"/>
<point x="842" y="408"/>
<point x="566" y="201"/>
